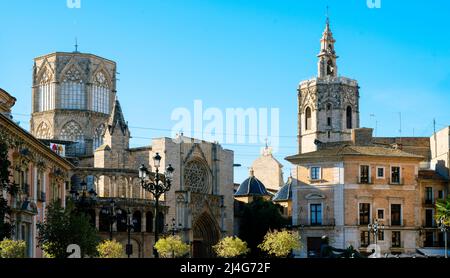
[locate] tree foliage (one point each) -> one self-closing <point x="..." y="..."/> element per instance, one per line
<point x="12" y="249"/>
<point x="443" y="211"/>
<point x="171" y="247"/>
<point x="231" y="247"/>
<point x="110" y="249"/>
<point x="280" y="243"/>
<point x="63" y="227"/>
<point x="257" y="219"/>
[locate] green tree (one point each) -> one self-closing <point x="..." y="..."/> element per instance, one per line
<point x="5" y="185"/>
<point x="280" y="243"/>
<point x="171" y="247"/>
<point x="257" y="218"/>
<point x="63" y="227"/>
<point x="231" y="247"/>
<point x="12" y="249"/>
<point x="110" y="249"/>
<point x="443" y="211"/>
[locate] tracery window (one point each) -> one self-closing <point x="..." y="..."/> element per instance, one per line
<point x="46" y="93"/>
<point x="73" y="94"/>
<point x="98" y="136"/>
<point x="195" y="177"/>
<point x="73" y="132"/>
<point x="43" y="131"/>
<point x="100" y="94"/>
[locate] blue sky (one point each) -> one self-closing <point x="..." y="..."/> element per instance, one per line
<point x="247" y="53"/>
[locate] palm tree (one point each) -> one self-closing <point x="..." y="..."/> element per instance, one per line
<point x="443" y="218"/>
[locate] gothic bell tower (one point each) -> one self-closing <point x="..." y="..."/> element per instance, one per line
<point x="328" y="105"/>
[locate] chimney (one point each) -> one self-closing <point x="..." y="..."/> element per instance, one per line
<point x="362" y="136"/>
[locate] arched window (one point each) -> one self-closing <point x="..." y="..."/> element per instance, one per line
<point x="43" y="131"/>
<point x="329" y="106"/>
<point x="137" y="218"/>
<point x="149" y="222"/>
<point x="98" y="136"/>
<point x="308" y="118"/>
<point x="195" y="177"/>
<point x="73" y="95"/>
<point x="72" y="131"/>
<point x="100" y="93"/>
<point x="46" y="93"/>
<point x="349" y="117"/>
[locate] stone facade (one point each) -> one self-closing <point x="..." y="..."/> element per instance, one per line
<point x="72" y="97"/>
<point x="268" y="170"/>
<point x="328" y="106"/>
<point x="40" y="174"/>
<point x="440" y="152"/>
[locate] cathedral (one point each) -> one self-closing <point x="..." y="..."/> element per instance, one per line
<point x="75" y="106"/>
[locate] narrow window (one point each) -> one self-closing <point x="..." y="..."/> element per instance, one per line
<point x="349" y="117"/>
<point x="365" y="238"/>
<point x="364" y="176"/>
<point x="364" y="214"/>
<point x="315" y="173"/>
<point x="396" y="241"/>
<point x="395" y="175"/>
<point x="329" y="121"/>
<point x="429" y="195"/>
<point x="396" y="211"/>
<point x="308" y="119"/>
<point x="381" y="214"/>
<point x="316" y="214"/>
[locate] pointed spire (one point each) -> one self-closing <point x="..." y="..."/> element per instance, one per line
<point x="327" y="55"/>
<point x="117" y="118"/>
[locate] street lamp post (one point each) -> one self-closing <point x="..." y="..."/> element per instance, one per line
<point x="374" y="228"/>
<point x="130" y="225"/>
<point x="157" y="187"/>
<point x="112" y="213"/>
<point x="444" y="229"/>
<point x="86" y="199"/>
<point x="174" y="230"/>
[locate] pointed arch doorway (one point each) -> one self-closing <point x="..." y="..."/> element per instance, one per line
<point x="206" y="235"/>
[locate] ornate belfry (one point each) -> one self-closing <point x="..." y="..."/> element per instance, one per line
<point x="328" y="105"/>
<point x="73" y="96"/>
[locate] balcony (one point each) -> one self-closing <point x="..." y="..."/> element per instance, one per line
<point x="365" y="180"/>
<point x="326" y="222"/>
<point x="396" y="181"/>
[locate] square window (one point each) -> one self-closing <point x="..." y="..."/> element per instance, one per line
<point x="380" y="172"/>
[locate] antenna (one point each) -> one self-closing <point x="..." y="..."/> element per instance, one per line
<point x="76" y="45"/>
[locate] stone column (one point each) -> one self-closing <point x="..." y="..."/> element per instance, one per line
<point x="144" y="221"/>
<point x="97" y="218"/>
